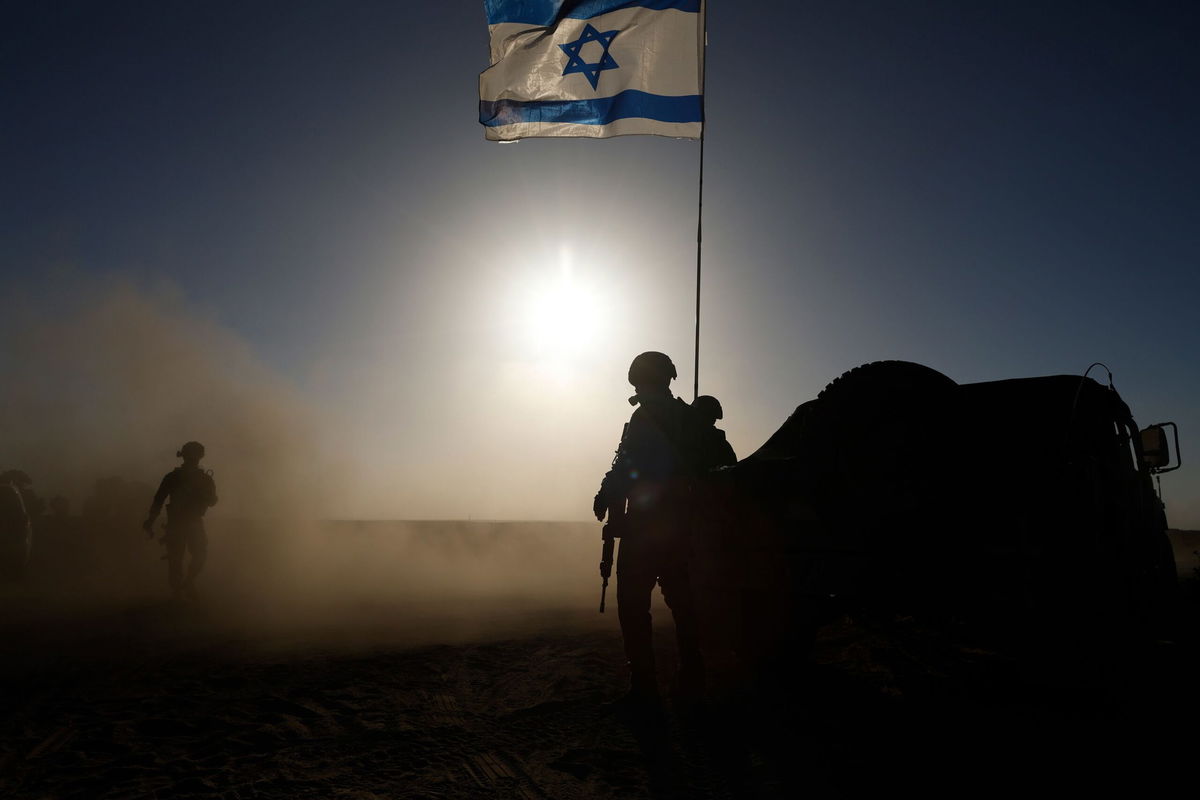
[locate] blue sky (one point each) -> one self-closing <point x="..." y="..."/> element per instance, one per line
<point x="993" y="189"/>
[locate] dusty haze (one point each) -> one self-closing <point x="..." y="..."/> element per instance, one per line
<point x="108" y="380"/>
<point x="329" y="584"/>
<point x="105" y="379"/>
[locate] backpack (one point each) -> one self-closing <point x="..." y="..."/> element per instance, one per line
<point x="194" y="491"/>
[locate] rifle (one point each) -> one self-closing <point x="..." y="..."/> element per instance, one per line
<point x="606" y="560"/>
<point x="614" y="502"/>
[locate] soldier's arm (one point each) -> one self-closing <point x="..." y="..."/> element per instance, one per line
<point x="615" y="484"/>
<point x="160" y="497"/>
<point x="600" y="501"/>
<point x="613" y="489"/>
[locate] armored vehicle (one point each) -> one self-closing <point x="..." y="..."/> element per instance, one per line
<point x="1021" y="510"/>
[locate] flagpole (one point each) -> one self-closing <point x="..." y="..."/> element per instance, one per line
<point x="700" y="205"/>
<point x="699" y="243"/>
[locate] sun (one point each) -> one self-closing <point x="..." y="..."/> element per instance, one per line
<point x="563" y="315"/>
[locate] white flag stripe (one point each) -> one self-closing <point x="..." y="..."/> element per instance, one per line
<point x="620" y="127"/>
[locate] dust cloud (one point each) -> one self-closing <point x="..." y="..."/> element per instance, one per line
<point x="106" y="381"/>
<point x="109" y="380"/>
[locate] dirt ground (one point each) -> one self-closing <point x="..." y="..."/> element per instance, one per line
<point x="490" y="696"/>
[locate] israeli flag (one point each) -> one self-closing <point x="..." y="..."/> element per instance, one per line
<point x="593" y="68"/>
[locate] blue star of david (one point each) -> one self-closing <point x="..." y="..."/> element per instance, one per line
<point x="575" y="63"/>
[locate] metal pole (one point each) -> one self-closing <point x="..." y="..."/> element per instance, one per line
<point x="699" y="242"/>
<point x="700" y="206"/>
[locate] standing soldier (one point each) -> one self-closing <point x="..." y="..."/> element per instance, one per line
<point x="192" y="492"/>
<point x="716" y="450"/>
<point x="649" y="483"/>
<point x="16" y="529"/>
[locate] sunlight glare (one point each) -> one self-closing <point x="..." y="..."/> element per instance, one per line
<point x="562" y="318"/>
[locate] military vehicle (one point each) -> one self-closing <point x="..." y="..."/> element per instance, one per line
<point x="16" y="532"/>
<point x="1021" y="511"/>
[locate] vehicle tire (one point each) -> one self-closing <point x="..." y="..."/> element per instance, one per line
<point x="874" y="429"/>
<point x="857" y="386"/>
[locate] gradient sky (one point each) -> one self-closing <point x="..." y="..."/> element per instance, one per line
<point x="993" y="189"/>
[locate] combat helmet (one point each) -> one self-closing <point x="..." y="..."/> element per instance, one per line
<point x="651" y="368"/>
<point x="190" y="451"/>
<point x="708" y="407"/>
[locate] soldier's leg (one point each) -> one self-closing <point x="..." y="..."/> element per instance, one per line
<point x="198" y="546"/>
<point x="175" y="544"/>
<point x="636" y="577"/>
<point x="677" y="592"/>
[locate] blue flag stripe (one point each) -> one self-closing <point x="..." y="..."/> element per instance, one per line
<point x="602" y="111"/>
<point x="548" y="12"/>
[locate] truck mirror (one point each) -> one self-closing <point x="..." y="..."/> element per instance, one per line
<point x="1156" y="454"/>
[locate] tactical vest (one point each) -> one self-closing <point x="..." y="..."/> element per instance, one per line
<point x="192" y="492"/>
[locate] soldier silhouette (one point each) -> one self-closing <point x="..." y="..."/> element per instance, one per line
<point x="16" y="530"/>
<point x="35" y="506"/>
<point x="191" y="491"/>
<point x="715" y="448"/>
<point x="649" y="484"/>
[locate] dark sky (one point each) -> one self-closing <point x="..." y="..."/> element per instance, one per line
<point x="993" y="189"/>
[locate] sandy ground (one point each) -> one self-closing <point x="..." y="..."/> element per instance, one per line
<point x="494" y="694"/>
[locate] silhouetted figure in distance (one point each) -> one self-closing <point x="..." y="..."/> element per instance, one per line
<point x="716" y="450"/>
<point x="34" y="505"/>
<point x="191" y="491"/>
<point x="650" y="482"/>
<point x="16" y="530"/>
